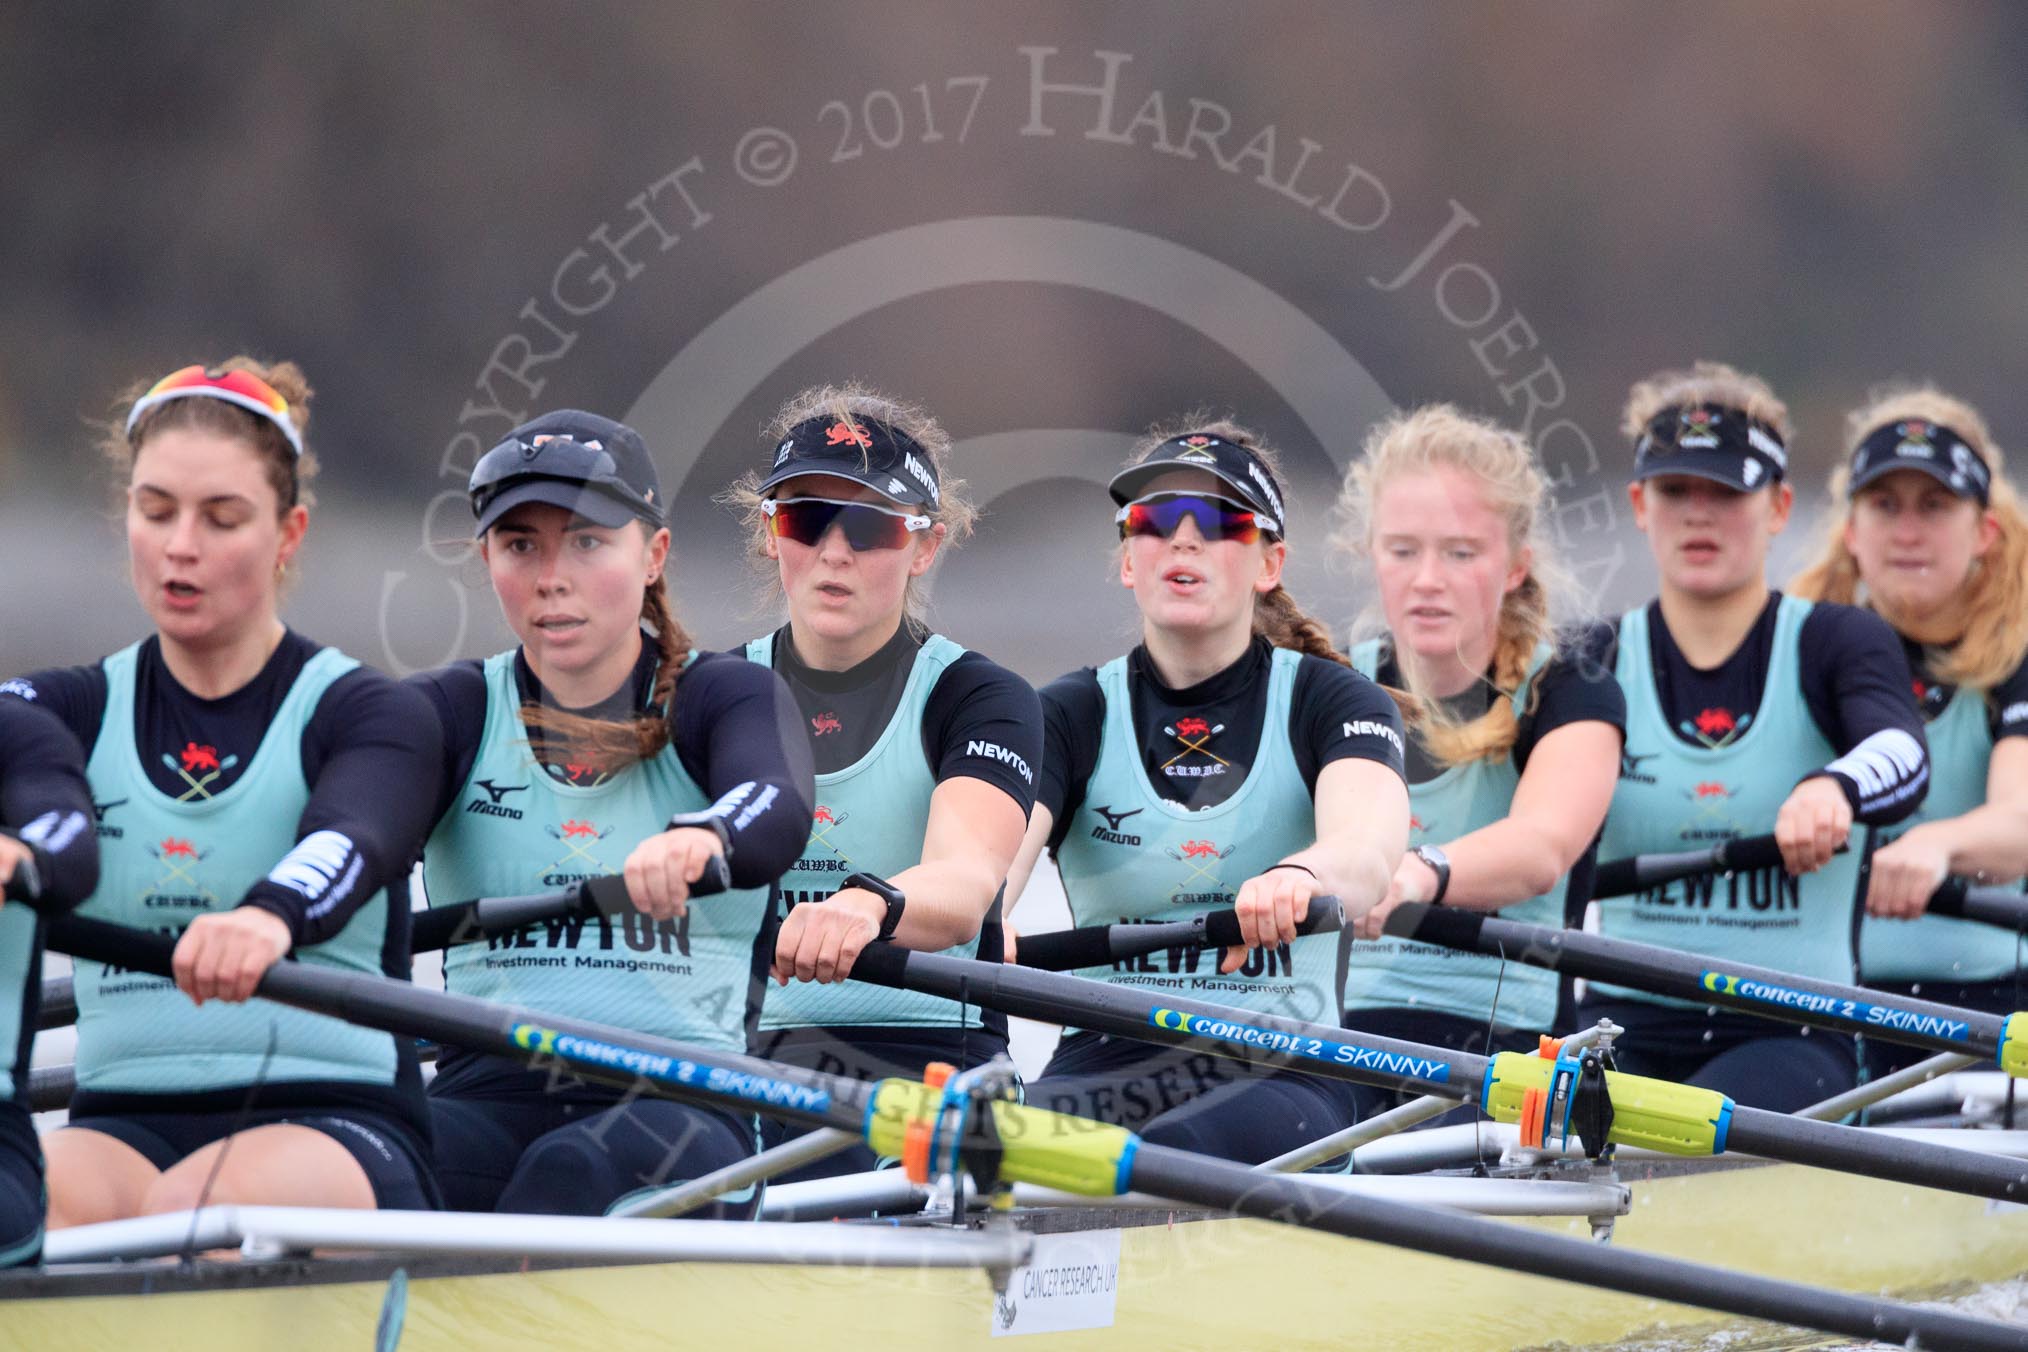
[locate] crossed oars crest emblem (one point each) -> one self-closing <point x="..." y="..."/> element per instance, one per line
<point x="578" y="837"/>
<point x="1201" y="857"/>
<point x="180" y="859"/>
<point x="193" y="758"/>
<point x="1196" y="735"/>
<point x="820" y="829"/>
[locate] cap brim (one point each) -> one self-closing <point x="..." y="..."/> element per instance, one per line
<point x="890" y="486"/>
<point x="1965" y="487"/>
<point x="600" y="509"/>
<point x="1718" y="466"/>
<point x="1132" y="481"/>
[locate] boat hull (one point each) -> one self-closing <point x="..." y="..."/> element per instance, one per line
<point x="1181" y="1283"/>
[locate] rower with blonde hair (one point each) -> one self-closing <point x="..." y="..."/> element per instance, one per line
<point x="1514" y="745"/>
<point x="1929" y="534"/>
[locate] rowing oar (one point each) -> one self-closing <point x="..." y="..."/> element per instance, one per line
<point x="1637" y="873"/>
<point x="1716" y="981"/>
<point x="1030" y="1145"/>
<point x="470" y="921"/>
<point x="1511" y="1087"/>
<point x="2003" y="907"/>
<point x="1098" y="945"/>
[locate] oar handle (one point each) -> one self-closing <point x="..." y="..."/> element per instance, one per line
<point x="1619" y="877"/>
<point x="470" y="921"/>
<point x="2004" y="907"/>
<point x="1098" y="945"/>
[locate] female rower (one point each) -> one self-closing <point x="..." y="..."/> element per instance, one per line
<point x="49" y="862"/>
<point x="925" y="752"/>
<point x="1514" y="747"/>
<point x="1231" y="759"/>
<point x="600" y="744"/>
<point x="264" y="795"/>
<point x="1745" y="708"/>
<point x="1934" y="534"/>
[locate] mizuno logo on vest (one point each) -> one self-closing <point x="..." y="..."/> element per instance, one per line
<point x="994" y="751"/>
<point x="1630" y="767"/>
<point x="495" y="792"/>
<point x="99" y="811"/>
<point x="1110" y="832"/>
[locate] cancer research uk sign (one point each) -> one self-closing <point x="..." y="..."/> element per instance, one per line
<point x="1069" y="1282"/>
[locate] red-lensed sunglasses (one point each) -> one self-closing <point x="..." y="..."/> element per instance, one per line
<point x="1162" y="514"/>
<point x="805" y="520"/>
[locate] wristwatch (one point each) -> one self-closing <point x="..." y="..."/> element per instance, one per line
<point x="1439" y="864"/>
<point x="887" y="892"/>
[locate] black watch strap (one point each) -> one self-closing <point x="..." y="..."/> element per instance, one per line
<point x="887" y="892"/>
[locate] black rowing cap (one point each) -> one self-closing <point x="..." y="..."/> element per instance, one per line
<point x="1711" y="441"/>
<point x="592" y="466"/>
<point x="1927" y="448"/>
<point x="1230" y="463"/>
<point x="865" y="450"/>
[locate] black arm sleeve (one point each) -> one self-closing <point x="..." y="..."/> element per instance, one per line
<point x="1337" y="714"/>
<point x="1073" y="718"/>
<point x="1571" y="689"/>
<point x="76" y="695"/>
<point x="740" y="736"/>
<point x="2009" y="700"/>
<point x="984" y="722"/>
<point x="46" y="803"/>
<point x="373" y="755"/>
<point x="458" y="695"/>
<point x="1856" y="684"/>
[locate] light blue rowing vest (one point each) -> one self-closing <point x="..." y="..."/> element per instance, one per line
<point x="1673" y="796"/>
<point x="1395" y="974"/>
<point x="870" y="818"/>
<point x="1935" y="947"/>
<point x="1133" y="855"/>
<point x="19" y="936"/>
<point x="515" y="829"/>
<point x="177" y="858"/>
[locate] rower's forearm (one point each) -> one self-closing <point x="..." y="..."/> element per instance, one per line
<point x="947" y="902"/>
<point x="1497" y="865"/>
<point x="1985" y="843"/>
<point x="1356" y="871"/>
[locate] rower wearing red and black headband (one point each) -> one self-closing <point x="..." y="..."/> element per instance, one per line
<point x="925" y="752"/>
<point x="1232" y="759"/>
<point x="1746" y="710"/>
<point x="264" y="795"/>
<point x="1929" y="533"/>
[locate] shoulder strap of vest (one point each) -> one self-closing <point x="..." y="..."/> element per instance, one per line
<point x="1366" y="658"/>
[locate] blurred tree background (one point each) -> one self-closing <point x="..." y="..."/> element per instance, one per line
<point x="1826" y="191"/>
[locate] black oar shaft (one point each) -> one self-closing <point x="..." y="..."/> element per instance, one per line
<point x="1100" y="945"/>
<point x="2002" y="907"/>
<point x="1621" y="877"/>
<point x="1191" y="1178"/>
<point x="1668" y="971"/>
<point x="470" y="921"/>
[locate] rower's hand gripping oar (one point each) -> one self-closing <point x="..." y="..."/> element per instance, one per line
<point x="1036" y="1146"/>
<point x="1755" y="990"/>
<point x="470" y="921"/>
<point x="1100" y="945"/>
<point x="1654" y="1114"/>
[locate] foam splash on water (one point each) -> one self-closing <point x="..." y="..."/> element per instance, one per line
<point x="2005" y="1302"/>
